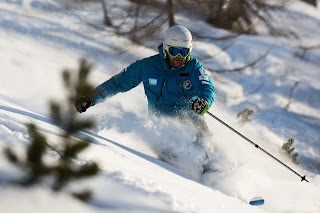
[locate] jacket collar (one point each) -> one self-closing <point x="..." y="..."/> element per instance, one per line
<point x="160" y="49"/>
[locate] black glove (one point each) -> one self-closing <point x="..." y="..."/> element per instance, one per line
<point x="200" y="106"/>
<point x="83" y="103"/>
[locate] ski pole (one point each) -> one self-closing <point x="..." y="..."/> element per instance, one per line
<point x="303" y="178"/>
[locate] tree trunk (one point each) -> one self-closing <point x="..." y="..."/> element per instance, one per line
<point x="170" y="6"/>
<point x="312" y="2"/>
<point x="230" y="15"/>
<point x="106" y="19"/>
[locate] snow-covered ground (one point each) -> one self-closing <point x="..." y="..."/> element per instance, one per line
<point x="38" y="39"/>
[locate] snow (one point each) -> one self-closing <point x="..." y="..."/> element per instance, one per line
<point x="38" y="39"/>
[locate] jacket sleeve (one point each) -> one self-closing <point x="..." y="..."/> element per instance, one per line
<point x="207" y="90"/>
<point x="129" y="78"/>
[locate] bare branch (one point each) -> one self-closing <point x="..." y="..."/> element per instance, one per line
<point x="291" y="95"/>
<point x="252" y="64"/>
<point x="302" y="50"/>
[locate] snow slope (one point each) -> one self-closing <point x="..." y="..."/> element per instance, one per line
<point x="40" y="38"/>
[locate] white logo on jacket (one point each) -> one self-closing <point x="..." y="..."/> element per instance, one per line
<point x="187" y="84"/>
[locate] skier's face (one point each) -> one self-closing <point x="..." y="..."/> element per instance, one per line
<point x="177" y="61"/>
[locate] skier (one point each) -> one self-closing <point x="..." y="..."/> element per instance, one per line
<point x="175" y="82"/>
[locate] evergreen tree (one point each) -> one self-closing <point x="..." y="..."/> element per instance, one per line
<point x="244" y="116"/>
<point x="33" y="164"/>
<point x="66" y="168"/>
<point x="288" y="150"/>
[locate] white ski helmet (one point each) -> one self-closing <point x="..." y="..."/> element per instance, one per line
<point x="177" y="36"/>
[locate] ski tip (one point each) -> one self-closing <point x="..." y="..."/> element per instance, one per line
<point x="256" y="201"/>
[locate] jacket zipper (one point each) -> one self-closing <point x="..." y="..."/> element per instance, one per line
<point x="163" y="83"/>
<point x="183" y="90"/>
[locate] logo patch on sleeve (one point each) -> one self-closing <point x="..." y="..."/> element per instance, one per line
<point x="203" y="76"/>
<point x="187" y="84"/>
<point x="205" y="82"/>
<point x="153" y="81"/>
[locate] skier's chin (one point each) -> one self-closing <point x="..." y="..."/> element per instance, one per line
<point x="177" y="63"/>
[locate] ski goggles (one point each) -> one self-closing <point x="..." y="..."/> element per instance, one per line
<point x="175" y="51"/>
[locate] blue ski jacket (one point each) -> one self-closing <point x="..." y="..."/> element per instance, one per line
<point x="169" y="91"/>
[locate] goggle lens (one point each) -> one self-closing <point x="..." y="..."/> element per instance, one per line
<point x="174" y="51"/>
